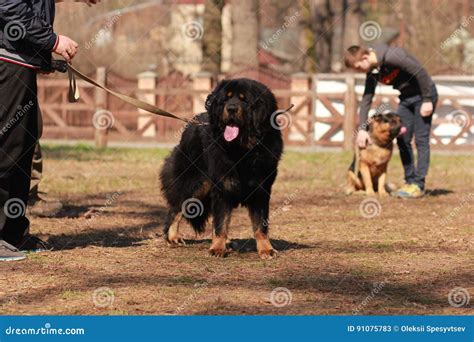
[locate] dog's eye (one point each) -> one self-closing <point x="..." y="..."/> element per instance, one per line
<point x="229" y="94"/>
<point x="241" y="96"/>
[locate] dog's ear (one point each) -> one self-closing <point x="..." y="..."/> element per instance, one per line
<point x="263" y="108"/>
<point x="212" y="97"/>
<point x="394" y="117"/>
<point x="377" y="118"/>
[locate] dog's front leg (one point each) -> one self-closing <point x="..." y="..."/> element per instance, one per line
<point x="381" y="184"/>
<point x="171" y="229"/>
<point x="367" y="178"/>
<point x="221" y="213"/>
<point x="258" y="211"/>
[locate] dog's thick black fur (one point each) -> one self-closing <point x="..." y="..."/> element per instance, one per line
<point x="213" y="170"/>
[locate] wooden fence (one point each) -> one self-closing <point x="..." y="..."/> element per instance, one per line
<point x="325" y="111"/>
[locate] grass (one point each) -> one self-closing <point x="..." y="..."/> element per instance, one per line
<point x="331" y="257"/>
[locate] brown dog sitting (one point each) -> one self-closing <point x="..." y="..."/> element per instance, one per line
<point x="368" y="170"/>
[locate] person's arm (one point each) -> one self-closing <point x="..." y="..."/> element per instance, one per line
<point x="34" y="30"/>
<point x="65" y="46"/>
<point x="363" y="137"/>
<point x="366" y="102"/>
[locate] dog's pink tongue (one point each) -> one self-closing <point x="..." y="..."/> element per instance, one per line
<point x="403" y="130"/>
<point x="231" y="132"/>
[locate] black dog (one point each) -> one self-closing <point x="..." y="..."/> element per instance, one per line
<point x="226" y="157"/>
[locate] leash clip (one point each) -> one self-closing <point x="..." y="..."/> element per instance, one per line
<point x="59" y="65"/>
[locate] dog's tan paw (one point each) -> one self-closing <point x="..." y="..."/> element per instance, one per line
<point x="217" y="252"/>
<point x="175" y="241"/>
<point x="267" y="254"/>
<point x="218" y="249"/>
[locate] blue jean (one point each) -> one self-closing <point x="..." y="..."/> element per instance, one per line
<point x="409" y="111"/>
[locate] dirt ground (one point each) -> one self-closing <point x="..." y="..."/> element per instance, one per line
<point x="334" y="258"/>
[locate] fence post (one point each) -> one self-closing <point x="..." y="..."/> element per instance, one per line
<point x="101" y="131"/>
<point x="303" y="118"/>
<point x="202" y="82"/>
<point x="147" y="80"/>
<point x="350" y="106"/>
<point x="313" y="107"/>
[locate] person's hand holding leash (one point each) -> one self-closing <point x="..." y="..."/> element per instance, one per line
<point x="363" y="139"/>
<point x="426" y="109"/>
<point x="66" y="47"/>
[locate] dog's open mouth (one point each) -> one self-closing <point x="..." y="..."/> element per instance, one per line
<point x="231" y="132"/>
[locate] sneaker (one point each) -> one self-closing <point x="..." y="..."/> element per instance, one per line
<point x="9" y="252"/>
<point x="409" y="191"/>
<point x="33" y="244"/>
<point x="41" y="207"/>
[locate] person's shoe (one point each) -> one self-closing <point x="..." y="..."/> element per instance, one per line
<point x="9" y="252"/>
<point x="33" y="244"/>
<point x="410" y="191"/>
<point x="41" y="207"/>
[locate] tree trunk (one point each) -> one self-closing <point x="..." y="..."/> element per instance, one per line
<point x="245" y="34"/>
<point x="352" y="21"/>
<point x="308" y="37"/>
<point x="322" y="24"/>
<point x="212" y="36"/>
<point x="339" y="7"/>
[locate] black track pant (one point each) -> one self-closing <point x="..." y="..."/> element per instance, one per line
<point x="18" y="137"/>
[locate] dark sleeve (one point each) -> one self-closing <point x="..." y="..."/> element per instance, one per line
<point x="18" y="16"/>
<point x="400" y="58"/>
<point x="369" y="91"/>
